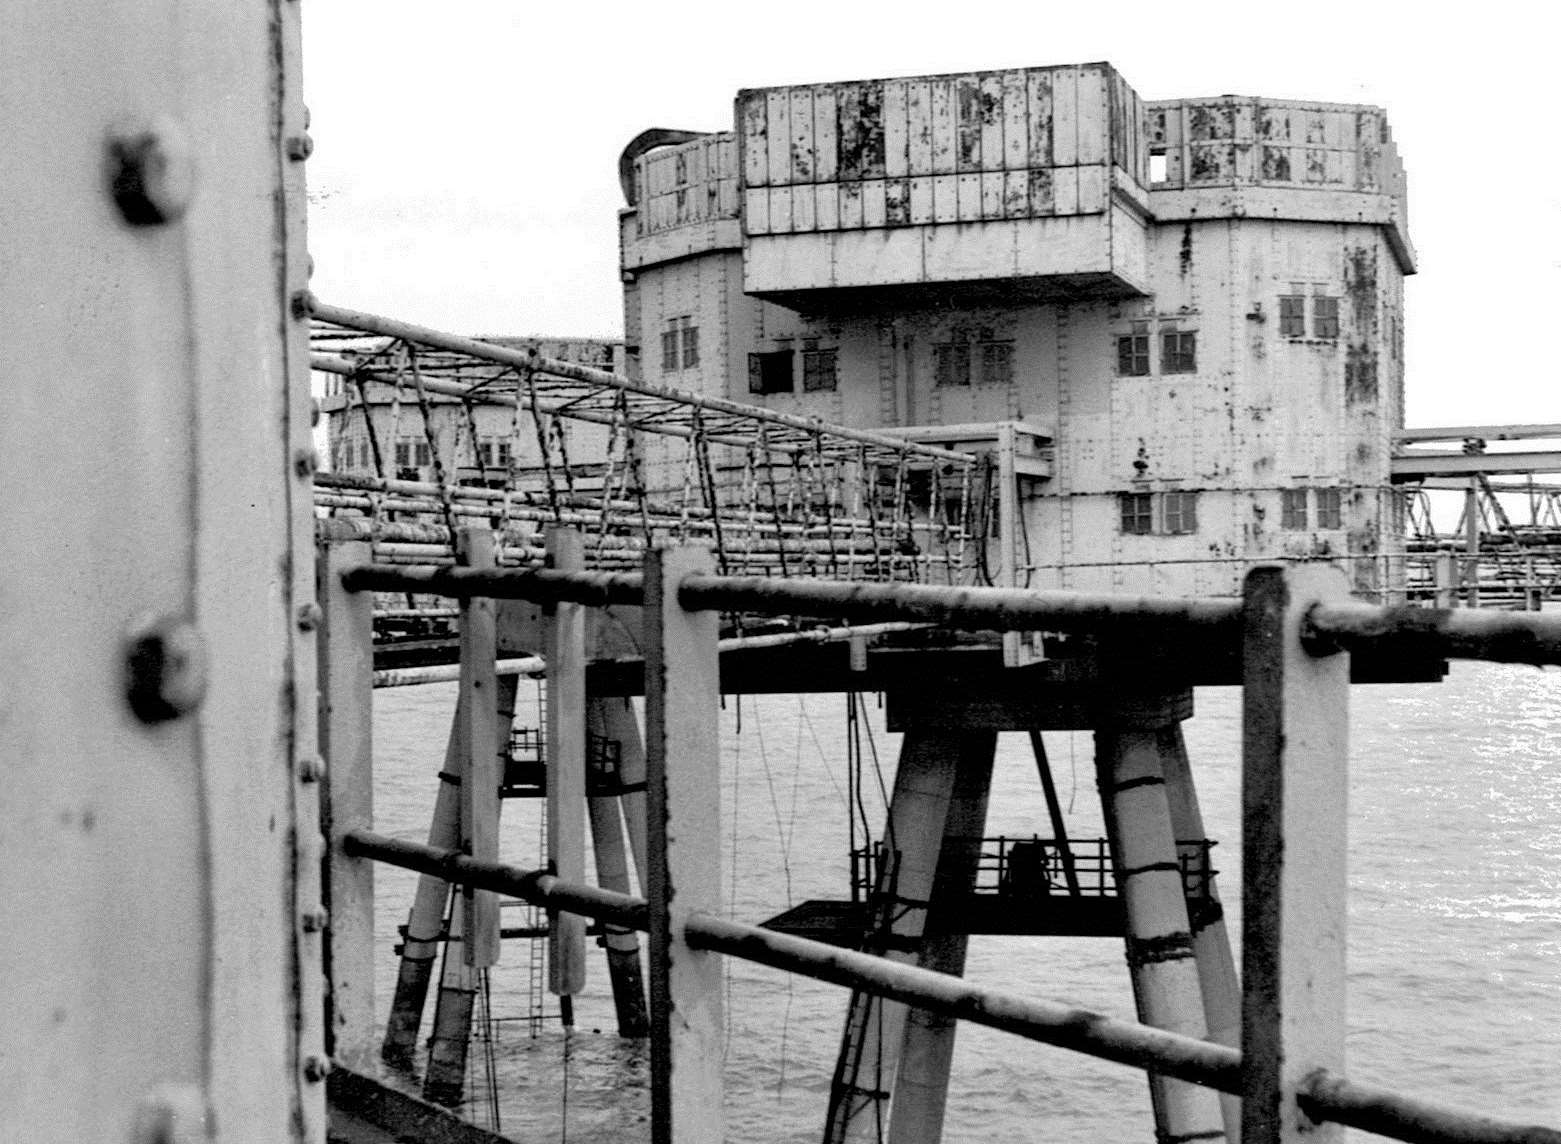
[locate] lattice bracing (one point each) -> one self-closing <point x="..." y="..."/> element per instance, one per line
<point x="441" y="431"/>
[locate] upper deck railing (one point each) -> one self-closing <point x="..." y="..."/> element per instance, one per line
<point x="1295" y="631"/>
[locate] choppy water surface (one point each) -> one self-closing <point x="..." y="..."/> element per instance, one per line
<point x="1455" y="912"/>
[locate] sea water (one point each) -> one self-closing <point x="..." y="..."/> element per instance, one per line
<point x="1454" y="907"/>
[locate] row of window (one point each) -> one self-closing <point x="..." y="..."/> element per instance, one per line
<point x="679" y="344"/>
<point x="1324" y="313"/>
<point x="1173" y="513"/>
<point x="985" y="362"/>
<point x="775" y="371"/>
<point x="1325" y="504"/>
<point x="1178" y="353"/>
<point x="1146" y="513"/>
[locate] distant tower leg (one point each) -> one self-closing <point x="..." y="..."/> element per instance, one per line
<point x="1210" y="939"/>
<point x="870" y="1046"/>
<point x="622" y="725"/>
<point x="1159" y="941"/>
<point x="425" y="923"/>
<point x="445" y="1078"/>
<point x="921" y="1089"/>
<point x="612" y="873"/>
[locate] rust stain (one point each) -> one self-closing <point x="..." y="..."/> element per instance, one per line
<point x="971" y="111"/>
<point x="859" y="136"/>
<point x="1276" y="164"/>
<point x="1186" y="251"/>
<point x="1360" y="353"/>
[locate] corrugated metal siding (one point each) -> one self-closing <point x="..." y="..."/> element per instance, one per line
<point x="980" y="146"/>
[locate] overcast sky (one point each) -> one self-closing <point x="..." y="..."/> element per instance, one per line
<point x="465" y="168"/>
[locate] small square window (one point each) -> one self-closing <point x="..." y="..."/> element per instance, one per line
<point x="1179" y="352"/>
<point x="1328" y="509"/>
<point x="1325" y="317"/>
<point x="997" y="363"/>
<point x="1181" y="512"/>
<point x="1292" y="508"/>
<point x="819" y="370"/>
<point x="1292" y="316"/>
<point x="770" y="372"/>
<point x="1137" y="513"/>
<point x="1133" y="355"/>
<point x="951" y="363"/>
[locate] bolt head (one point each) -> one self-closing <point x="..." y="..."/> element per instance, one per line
<point x="315" y="920"/>
<point x="299" y="147"/>
<point x="307" y="461"/>
<point x="316" y="1069"/>
<point x="309" y="616"/>
<point x="165" y="669"/>
<point x="310" y="770"/>
<point x="151" y="171"/>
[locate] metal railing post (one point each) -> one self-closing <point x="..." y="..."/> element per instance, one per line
<point x="346" y="678"/>
<point x="478" y="705"/>
<point x="565" y="656"/>
<point x="1294" y="780"/>
<point x="682" y="762"/>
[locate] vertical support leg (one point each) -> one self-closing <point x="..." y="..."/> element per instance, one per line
<point x="565" y="655"/>
<point x="1159" y="941"/>
<point x="620" y="724"/>
<point x="1294" y="783"/>
<point x="870" y="1047"/>
<point x="1043" y="765"/>
<point x="612" y="873"/>
<point x="480" y="779"/>
<point x="425" y="921"/>
<point x="921" y="1088"/>
<point x="1206" y="917"/>
<point x="445" y="1078"/>
<point x="682" y="758"/>
<point x="346" y="658"/>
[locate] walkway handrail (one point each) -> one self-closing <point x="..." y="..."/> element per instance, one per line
<point x="1323" y="1096"/>
<point x="1505" y="637"/>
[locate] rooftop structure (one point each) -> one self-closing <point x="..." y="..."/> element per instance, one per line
<point x="1187" y="313"/>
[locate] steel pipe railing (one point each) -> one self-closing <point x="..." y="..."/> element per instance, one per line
<point x="1460" y="633"/>
<point x="1322" y="1096"/>
<point x="1506" y="637"/>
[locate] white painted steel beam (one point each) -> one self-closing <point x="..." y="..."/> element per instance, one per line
<point x="1408" y="466"/>
<point x="564" y="626"/>
<point x="478" y="713"/>
<point x="683" y="763"/>
<point x="1295" y="778"/>
<point x="346" y="649"/>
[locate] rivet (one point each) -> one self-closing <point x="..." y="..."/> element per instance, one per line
<point x="165" y="669"/>
<point x="307" y="461"/>
<point x="299" y="147"/>
<point x="315" y="920"/>
<point x="151" y="170"/>
<point x="309" y="616"/>
<point x="316" y="1069"/>
<point x="310" y="770"/>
